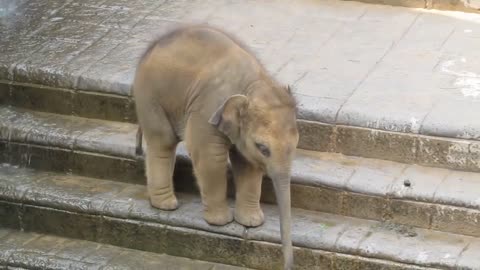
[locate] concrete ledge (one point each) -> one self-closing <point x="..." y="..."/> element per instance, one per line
<point x="460" y="154"/>
<point x="119" y="214"/>
<point x="410" y="148"/>
<point x="457" y="5"/>
<point x="68" y="102"/>
<point x="365" y="188"/>
<point x="26" y="250"/>
<point x="454" y="5"/>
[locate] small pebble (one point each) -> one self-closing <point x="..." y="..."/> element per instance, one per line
<point x="56" y="19"/>
<point x="411" y="234"/>
<point x="407" y="183"/>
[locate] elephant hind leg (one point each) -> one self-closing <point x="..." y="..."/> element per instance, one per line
<point x="161" y="144"/>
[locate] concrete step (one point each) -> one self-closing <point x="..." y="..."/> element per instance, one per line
<point x="28" y="250"/>
<point x="360" y="92"/>
<point x="455" y="5"/>
<point x="424" y="197"/>
<point x="437" y="151"/>
<point x="119" y="214"/>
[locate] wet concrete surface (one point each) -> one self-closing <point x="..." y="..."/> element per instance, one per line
<point x="356" y="92"/>
<point x="120" y="214"/>
<point x="93" y="46"/>
<point x="342" y="72"/>
<point x="27" y="250"/>
<point x="327" y="182"/>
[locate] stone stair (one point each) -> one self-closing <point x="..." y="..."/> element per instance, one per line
<point x="119" y="214"/>
<point x="428" y="150"/>
<point x="368" y="191"/>
<point x="39" y="251"/>
<point x="374" y="189"/>
<point x="349" y="212"/>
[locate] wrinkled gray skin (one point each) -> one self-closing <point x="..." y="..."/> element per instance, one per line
<point x="199" y="85"/>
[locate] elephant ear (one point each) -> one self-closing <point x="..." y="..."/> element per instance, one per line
<point x="227" y="117"/>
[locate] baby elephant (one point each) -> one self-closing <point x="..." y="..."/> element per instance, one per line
<point x="199" y="85"/>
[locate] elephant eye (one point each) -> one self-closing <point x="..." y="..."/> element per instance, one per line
<point x="263" y="149"/>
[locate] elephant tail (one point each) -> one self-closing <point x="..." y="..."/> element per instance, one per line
<point x="138" y="146"/>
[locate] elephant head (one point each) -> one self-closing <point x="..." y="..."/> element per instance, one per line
<point x="262" y="126"/>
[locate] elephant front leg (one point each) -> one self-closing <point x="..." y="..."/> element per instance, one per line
<point x="248" y="186"/>
<point x="209" y="154"/>
<point x="160" y="161"/>
<point x="210" y="165"/>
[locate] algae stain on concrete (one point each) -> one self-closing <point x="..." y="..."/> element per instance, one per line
<point x="457" y="154"/>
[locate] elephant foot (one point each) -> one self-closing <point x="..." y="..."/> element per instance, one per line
<point x="249" y="217"/>
<point x="218" y="216"/>
<point x="164" y="202"/>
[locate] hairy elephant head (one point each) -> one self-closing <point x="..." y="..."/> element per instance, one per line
<point x="262" y="125"/>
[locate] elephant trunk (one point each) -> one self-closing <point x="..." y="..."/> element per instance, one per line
<point x="281" y="185"/>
